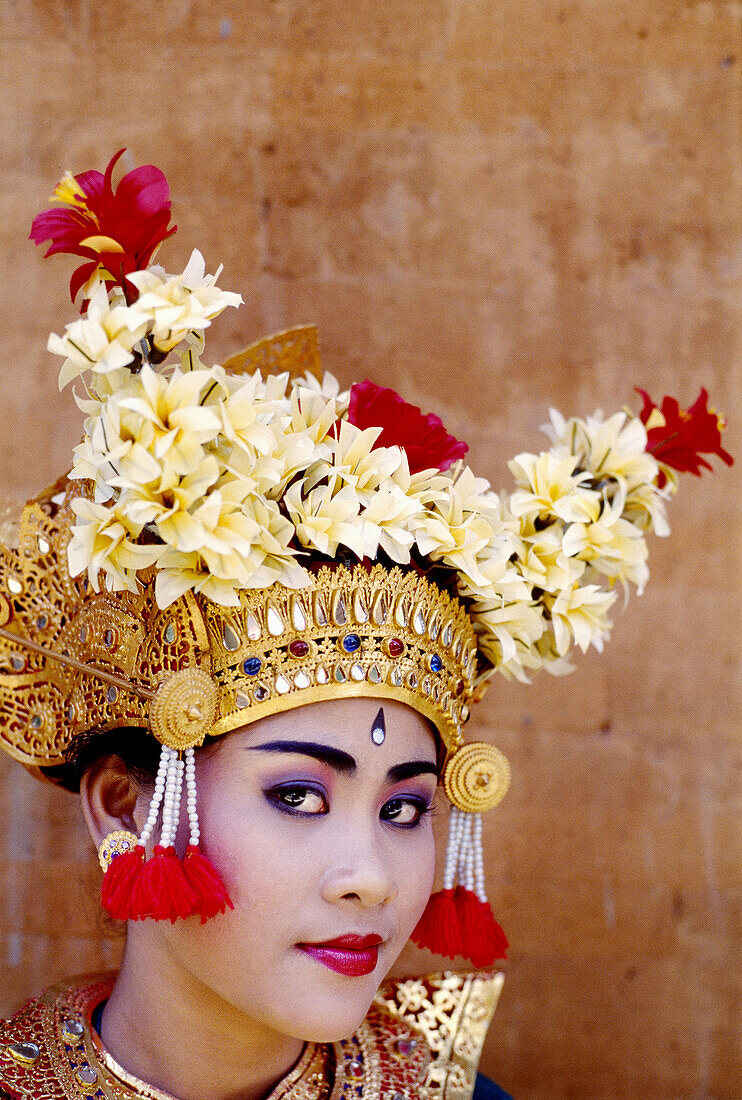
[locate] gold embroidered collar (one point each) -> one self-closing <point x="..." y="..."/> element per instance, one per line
<point x="421" y="1039"/>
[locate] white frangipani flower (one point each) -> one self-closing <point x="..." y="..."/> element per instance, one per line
<point x="356" y="462"/>
<point x="313" y="414"/>
<point x="244" y="422"/>
<point x="615" y="447"/>
<point x="645" y="508"/>
<point x="327" y="386"/>
<point x="612" y="545"/>
<point x="508" y="629"/>
<point x="104" y="541"/>
<point x="101" y="451"/>
<point x="468" y="528"/>
<point x="550" y="487"/>
<point x="545" y="564"/>
<point x="549" y="659"/>
<point x="166" y="417"/>
<point x="581" y="613"/>
<point x="224" y="546"/>
<point x="389" y="520"/>
<point x="161" y="511"/>
<point x="101" y="341"/>
<point x="325" y="519"/>
<point x="178" y="305"/>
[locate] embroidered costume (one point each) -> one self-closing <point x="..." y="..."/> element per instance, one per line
<point x="237" y="540"/>
<point x="422" y="1038"/>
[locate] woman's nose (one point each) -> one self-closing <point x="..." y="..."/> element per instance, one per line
<point x="359" y="872"/>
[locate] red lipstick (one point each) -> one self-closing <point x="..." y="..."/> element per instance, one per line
<point x="350" y="955"/>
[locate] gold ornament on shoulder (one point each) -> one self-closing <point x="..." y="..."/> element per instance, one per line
<point x="477" y="777"/>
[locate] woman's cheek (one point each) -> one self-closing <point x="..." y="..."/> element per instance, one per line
<point x="416" y="876"/>
<point x="232" y="836"/>
<point x="257" y="850"/>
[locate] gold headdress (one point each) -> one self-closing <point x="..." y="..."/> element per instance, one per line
<point x="72" y="659"/>
<point x="236" y="540"/>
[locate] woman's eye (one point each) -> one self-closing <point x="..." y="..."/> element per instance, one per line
<point x="297" y="799"/>
<point x="404" y="811"/>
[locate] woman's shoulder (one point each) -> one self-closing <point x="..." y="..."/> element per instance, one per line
<point x="43" y="1048"/>
<point x="448" y="1015"/>
<point x="488" y="1090"/>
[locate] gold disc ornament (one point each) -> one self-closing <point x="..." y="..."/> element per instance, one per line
<point x="477" y="777"/>
<point x="184" y="709"/>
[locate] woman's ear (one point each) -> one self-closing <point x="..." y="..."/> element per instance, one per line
<point x="109" y="796"/>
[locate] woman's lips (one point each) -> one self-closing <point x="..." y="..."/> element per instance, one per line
<point x="352" y="956"/>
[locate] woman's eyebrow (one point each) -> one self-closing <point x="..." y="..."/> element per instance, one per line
<point x="411" y="769"/>
<point x="341" y="761"/>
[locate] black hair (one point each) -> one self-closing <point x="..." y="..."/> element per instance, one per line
<point x="135" y="747"/>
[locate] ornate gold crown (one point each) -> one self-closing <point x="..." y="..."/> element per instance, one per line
<point x="72" y="660"/>
<point x="356" y="631"/>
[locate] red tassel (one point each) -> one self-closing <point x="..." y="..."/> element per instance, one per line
<point x="120" y="882"/>
<point x="206" y="883"/>
<point x="162" y="890"/>
<point x="171" y="893"/>
<point x="439" y="928"/>
<point x="482" y="937"/>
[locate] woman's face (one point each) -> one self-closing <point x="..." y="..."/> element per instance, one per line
<point x="318" y="821"/>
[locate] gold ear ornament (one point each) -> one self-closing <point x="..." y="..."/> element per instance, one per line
<point x="184" y="708"/>
<point x="477" y="777"/>
<point x="115" y="844"/>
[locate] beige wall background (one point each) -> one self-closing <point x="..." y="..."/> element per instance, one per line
<point x="492" y="206"/>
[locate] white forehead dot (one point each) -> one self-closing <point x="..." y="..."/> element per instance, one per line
<point x="378" y="729"/>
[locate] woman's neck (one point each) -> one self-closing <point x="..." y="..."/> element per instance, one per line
<point x="164" y="1027"/>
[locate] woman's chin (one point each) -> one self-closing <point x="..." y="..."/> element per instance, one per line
<point x="326" y="1011"/>
<point x="329" y="1004"/>
<point x="330" y="1026"/>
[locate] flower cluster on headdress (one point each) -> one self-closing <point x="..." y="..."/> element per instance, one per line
<point x="229" y="481"/>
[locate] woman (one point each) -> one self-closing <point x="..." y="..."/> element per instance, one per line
<point x="249" y="627"/>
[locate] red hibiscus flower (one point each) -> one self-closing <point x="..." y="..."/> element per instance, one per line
<point x="424" y="439"/>
<point x="116" y="231"/>
<point x="685" y="435"/>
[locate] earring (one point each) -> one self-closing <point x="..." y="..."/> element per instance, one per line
<point x="458" y="919"/>
<point x="115" y="844"/>
<point x="165" y="886"/>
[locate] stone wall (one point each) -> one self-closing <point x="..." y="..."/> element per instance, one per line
<point x="493" y="206"/>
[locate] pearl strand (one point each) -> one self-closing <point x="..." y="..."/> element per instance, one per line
<point x="459" y="846"/>
<point x="478" y="854"/>
<point x="190" y="774"/>
<point x="466" y="865"/>
<point x="168" y="806"/>
<point x="177" y="798"/>
<point x="154" y="806"/>
<point x="452" y="848"/>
